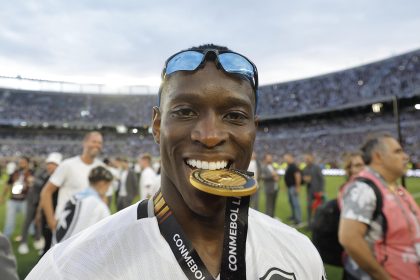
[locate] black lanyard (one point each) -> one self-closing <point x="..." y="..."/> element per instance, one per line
<point x="235" y="230"/>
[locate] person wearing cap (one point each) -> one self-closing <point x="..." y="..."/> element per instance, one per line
<point x="32" y="198"/>
<point x="87" y="207"/>
<point x="205" y="121"/>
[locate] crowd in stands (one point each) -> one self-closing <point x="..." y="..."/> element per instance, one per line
<point x="397" y="76"/>
<point x="17" y="106"/>
<point x="328" y="137"/>
<point x="285" y="103"/>
<point x="41" y="143"/>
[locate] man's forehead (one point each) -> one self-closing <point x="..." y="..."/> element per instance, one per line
<point x="93" y="136"/>
<point x="187" y="85"/>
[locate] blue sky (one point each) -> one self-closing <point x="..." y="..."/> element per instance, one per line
<point x="126" y="42"/>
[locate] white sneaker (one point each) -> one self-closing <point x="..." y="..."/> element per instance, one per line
<point x="23" y="249"/>
<point x="39" y="244"/>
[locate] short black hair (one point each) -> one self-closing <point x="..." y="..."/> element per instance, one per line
<point x="90" y="133"/>
<point x="98" y="174"/>
<point x="209" y="46"/>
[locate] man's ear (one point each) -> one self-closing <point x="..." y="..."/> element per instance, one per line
<point x="156" y="119"/>
<point x="376" y="156"/>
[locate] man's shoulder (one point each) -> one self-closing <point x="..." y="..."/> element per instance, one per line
<point x="275" y="230"/>
<point x="70" y="161"/>
<point x="281" y="246"/>
<point x="100" y="250"/>
<point x="358" y="188"/>
<point x="112" y="229"/>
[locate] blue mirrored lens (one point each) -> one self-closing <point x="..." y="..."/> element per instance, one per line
<point x="235" y="63"/>
<point x="185" y="61"/>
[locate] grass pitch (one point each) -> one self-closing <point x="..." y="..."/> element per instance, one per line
<point x="283" y="211"/>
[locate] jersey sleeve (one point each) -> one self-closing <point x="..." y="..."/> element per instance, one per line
<point x="46" y="269"/>
<point x="358" y="203"/>
<point x="316" y="268"/>
<point x="59" y="175"/>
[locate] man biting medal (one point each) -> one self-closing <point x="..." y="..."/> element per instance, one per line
<point x="199" y="225"/>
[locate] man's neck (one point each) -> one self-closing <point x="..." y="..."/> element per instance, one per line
<point x="87" y="158"/>
<point x="205" y="232"/>
<point x="387" y="177"/>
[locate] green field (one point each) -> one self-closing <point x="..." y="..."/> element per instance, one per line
<point x="26" y="262"/>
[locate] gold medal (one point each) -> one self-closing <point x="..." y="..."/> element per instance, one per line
<point x="223" y="182"/>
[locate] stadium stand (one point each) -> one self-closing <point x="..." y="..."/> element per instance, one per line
<point x="327" y="114"/>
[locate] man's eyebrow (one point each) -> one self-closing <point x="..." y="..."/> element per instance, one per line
<point x="228" y="100"/>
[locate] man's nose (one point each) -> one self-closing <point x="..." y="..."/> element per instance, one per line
<point x="209" y="131"/>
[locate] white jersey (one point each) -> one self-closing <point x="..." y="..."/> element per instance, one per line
<point x="147" y="183"/>
<point x="124" y="247"/>
<point x="71" y="177"/>
<point x="84" y="209"/>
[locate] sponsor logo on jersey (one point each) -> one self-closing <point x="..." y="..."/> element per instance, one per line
<point x="275" y="273"/>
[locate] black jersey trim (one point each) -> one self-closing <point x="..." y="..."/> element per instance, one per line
<point x="142" y="209"/>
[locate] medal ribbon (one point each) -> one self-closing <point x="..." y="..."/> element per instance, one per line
<point x="235" y="231"/>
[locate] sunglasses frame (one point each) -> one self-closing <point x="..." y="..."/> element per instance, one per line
<point x="206" y="54"/>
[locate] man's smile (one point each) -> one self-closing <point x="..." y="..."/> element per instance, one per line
<point x="211" y="165"/>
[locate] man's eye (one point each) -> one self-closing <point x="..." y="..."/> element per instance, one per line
<point x="185" y="112"/>
<point x="237" y="116"/>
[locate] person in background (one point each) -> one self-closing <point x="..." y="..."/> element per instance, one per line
<point x="254" y="167"/>
<point x="147" y="177"/>
<point x="270" y="178"/>
<point x="353" y="164"/>
<point x="128" y="185"/>
<point x="8" y="267"/>
<point x="51" y="163"/>
<point x="293" y="179"/>
<point x="386" y="245"/>
<point x="18" y="185"/>
<point x="87" y="207"/>
<point x="71" y="177"/>
<point x="315" y="182"/>
<point x="113" y="165"/>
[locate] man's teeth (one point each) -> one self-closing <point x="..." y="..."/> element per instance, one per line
<point x="212" y="165"/>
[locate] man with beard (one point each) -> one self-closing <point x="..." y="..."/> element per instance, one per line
<point x="206" y="122"/>
<point x="70" y="177"/>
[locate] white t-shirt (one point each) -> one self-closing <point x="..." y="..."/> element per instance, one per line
<point x="124" y="247"/>
<point x="84" y="209"/>
<point x="114" y="186"/>
<point x="253" y="167"/>
<point x="147" y="183"/>
<point x="71" y="176"/>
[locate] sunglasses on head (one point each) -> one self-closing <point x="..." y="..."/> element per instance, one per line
<point x="230" y="62"/>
